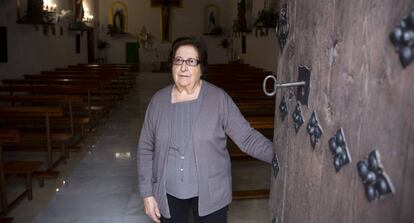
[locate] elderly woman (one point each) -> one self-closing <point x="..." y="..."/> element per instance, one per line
<point x="183" y="162"/>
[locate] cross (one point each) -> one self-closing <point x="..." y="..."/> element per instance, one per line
<point x="165" y="15"/>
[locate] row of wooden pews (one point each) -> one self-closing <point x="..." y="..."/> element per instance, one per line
<point x="51" y="113"/>
<point x="244" y="84"/>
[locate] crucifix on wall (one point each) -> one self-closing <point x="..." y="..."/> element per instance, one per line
<point x="166" y="6"/>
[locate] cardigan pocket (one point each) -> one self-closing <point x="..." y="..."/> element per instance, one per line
<point x="219" y="189"/>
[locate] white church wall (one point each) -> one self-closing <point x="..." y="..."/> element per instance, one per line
<point x="30" y="50"/>
<point x="261" y="51"/>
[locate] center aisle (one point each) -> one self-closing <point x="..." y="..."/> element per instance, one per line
<point x="103" y="186"/>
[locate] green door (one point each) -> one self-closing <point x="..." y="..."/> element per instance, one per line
<point x="132" y="52"/>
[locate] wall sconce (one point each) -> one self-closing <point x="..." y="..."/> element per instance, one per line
<point x="49" y="12"/>
<point x="87" y="16"/>
<point x="49" y="6"/>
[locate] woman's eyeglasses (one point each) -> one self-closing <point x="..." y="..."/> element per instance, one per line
<point x="190" y="61"/>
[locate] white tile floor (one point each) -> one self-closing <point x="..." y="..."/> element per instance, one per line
<point x="98" y="184"/>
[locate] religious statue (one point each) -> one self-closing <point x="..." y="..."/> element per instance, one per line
<point x="146" y="39"/>
<point x="119" y="21"/>
<point x="211" y="21"/>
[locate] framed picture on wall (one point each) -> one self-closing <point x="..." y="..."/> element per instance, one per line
<point x="78" y="44"/>
<point x="29" y="10"/>
<point x="157" y="3"/>
<point x="212" y="20"/>
<point x="3" y="44"/>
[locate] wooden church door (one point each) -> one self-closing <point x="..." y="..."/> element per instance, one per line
<point x="362" y="96"/>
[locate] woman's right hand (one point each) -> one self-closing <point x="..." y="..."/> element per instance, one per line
<point x="151" y="208"/>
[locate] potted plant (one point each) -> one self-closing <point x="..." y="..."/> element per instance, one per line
<point x="102" y="44"/>
<point x="225" y="43"/>
<point x="146" y="38"/>
<point x="266" y="18"/>
<point x="113" y="30"/>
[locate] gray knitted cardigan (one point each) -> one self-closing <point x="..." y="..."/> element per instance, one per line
<point x="218" y="117"/>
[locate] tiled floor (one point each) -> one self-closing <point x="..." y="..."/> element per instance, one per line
<point x="98" y="184"/>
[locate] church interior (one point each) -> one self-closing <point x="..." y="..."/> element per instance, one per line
<point x="328" y="82"/>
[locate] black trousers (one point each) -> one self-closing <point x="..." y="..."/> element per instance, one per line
<point x="180" y="209"/>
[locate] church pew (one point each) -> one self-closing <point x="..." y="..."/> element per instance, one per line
<point x="93" y="84"/>
<point x="76" y="116"/>
<point x="78" y="74"/>
<point x="242" y="86"/>
<point x="118" y="71"/>
<point x="261" y="122"/>
<point x="123" y="72"/>
<point x="247" y="94"/>
<point x="128" y="69"/>
<point x="226" y="78"/>
<point x="230" y="70"/>
<point x="125" y="76"/>
<point x="26" y="119"/>
<point x="17" y="167"/>
<point x="128" y="73"/>
<point x="233" y="68"/>
<point x="259" y="113"/>
<point x="94" y="110"/>
<point x="108" y="84"/>
<point x="229" y="67"/>
<point x="118" y="76"/>
<point x="130" y="66"/>
<point x="96" y="89"/>
<point x="251" y="194"/>
<point x="256" y="107"/>
<point x="264" y="124"/>
<point x="229" y="77"/>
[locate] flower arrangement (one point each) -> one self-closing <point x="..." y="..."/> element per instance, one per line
<point x="266" y="18"/>
<point x="113" y="30"/>
<point x="146" y="39"/>
<point x="102" y="44"/>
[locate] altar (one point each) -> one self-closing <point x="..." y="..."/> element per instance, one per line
<point x="153" y="59"/>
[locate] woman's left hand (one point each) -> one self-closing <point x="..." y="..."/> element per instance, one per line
<point x="151" y="208"/>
